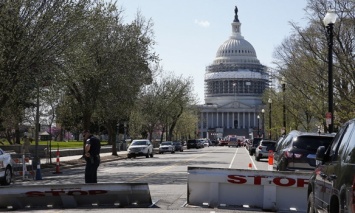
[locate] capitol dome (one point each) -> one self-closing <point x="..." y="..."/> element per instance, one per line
<point x="234" y="84"/>
<point x="235" y="71"/>
<point x="236" y="50"/>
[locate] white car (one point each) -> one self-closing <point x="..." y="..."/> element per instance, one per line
<point x="206" y="143"/>
<point x="5" y="168"/>
<point x="166" y="146"/>
<point x="141" y="147"/>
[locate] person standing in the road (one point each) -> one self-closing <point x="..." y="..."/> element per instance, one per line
<point x="92" y="156"/>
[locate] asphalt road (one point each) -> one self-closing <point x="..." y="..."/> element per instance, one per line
<point x="166" y="175"/>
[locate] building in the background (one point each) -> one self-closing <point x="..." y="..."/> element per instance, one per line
<point x="234" y="84"/>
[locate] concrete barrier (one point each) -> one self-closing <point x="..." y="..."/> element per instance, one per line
<point x="266" y="190"/>
<point x="77" y="195"/>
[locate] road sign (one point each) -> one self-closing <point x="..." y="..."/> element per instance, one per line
<point x="328" y="118"/>
<point x="328" y="115"/>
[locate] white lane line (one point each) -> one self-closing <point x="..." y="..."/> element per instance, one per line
<point x="235" y="154"/>
<point x="252" y="160"/>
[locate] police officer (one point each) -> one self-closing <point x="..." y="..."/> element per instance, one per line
<point x="92" y="156"/>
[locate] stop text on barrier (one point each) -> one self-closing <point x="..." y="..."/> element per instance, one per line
<point x="263" y="180"/>
<point x="63" y="192"/>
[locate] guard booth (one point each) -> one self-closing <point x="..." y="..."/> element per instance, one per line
<point x="45" y="136"/>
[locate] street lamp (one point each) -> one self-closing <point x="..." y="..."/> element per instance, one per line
<point x="270" y="102"/>
<point x="262" y="122"/>
<point x="235" y="92"/>
<point x="124" y="135"/>
<point x="329" y="21"/>
<point x="283" y="83"/>
<point x="258" y="126"/>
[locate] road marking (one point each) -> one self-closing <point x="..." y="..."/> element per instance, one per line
<point x="235" y="154"/>
<point x="169" y="167"/>
<point x="252" y="161"/>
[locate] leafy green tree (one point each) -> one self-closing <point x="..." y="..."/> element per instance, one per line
<point x="302" y="60"/>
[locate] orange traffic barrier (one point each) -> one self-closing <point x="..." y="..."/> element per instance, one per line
<point x="271" y="160"/>
<point x="57" y="170"/>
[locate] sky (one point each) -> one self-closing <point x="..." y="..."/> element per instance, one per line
<point x="189" y="32"/>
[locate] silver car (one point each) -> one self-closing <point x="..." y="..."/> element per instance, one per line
<point x="166" y="146"/>
<point x="264" y="148"/>
<point x="141" y="147"/>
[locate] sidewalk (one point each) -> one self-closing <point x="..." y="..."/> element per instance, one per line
<point x="77" y="157"/>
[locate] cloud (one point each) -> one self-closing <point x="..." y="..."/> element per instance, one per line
<point x="202" y="23"/>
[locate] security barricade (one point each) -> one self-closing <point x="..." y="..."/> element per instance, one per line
<point x="75" y="195"/>
<point x="248" y="189"/>
<point x="22" y="166"/>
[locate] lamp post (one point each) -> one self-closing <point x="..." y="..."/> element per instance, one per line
<point x="262" y="122"/>
<point x="125" y="131"/>
<point x="329" y="21"/>
<point x="235" y="91"/>
<point x="283" y="83"/>
<point x="258" y="126"/>
<point x="270" y="102"/>
<point x="117" y="136"/>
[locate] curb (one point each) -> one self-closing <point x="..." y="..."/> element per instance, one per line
<point x="83" y="163"/>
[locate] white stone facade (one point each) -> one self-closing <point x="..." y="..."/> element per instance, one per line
<point x="234" y="84"/>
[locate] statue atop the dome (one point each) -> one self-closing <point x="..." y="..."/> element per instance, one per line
<point x="236" y="14"/>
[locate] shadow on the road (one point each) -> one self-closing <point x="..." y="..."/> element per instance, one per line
<point x="171" y="162"/>
<point x="153" y="178"/>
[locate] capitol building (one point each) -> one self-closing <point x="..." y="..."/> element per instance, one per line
<point x="234" y="84"/>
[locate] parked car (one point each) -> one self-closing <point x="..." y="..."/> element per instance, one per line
<point x="252" y="145"/>
<point x="166" y="146"/>
<point x="141" y="147"/>
<point x="193" y="143"/>
<point x="331" y="187"/>
<point x="222" y="143"/>
<point x="178" y="146"/>
<point x="205" y="142"/>
<point x="263" y="149"/>
<point x="233" y="141"/>
<point x="214" y="142"/>
<point x="297" y="150"/>
<point x="209" y="142"/>
<point x="6" y="168"/>
<point x="201" y="143"/>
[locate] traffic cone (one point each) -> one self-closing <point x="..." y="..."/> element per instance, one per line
<point x="250" y="166"/>
<point x="57" y="170"/>
<point x="270" y="160"/>
<point x="38" y="172"/>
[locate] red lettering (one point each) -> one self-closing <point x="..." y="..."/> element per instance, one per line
<point x="77" y="192"/>
<point x="279" y="181"/>
<point x="55" y="193"/>
<point x="97" y="192"/>
<point x="236" y="179"/>
<point x="35" y="194"/>
<point x="257" y="179"/>
<point x="302" y="182"/>
<point x="290" y="181"/>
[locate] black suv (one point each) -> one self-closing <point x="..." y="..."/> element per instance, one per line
<point x="331" y="187"/>
<point x="297" y="151"/>
<point x="193" y="143"/>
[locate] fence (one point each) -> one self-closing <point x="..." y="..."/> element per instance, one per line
<point x="22" y="166"/>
